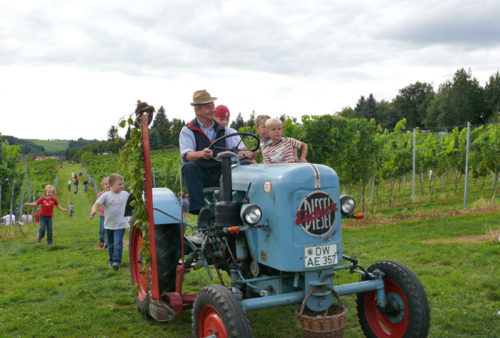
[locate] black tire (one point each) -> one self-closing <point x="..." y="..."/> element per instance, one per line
<point x="168" y="252"/>
<point x="216" y="311"/>
<point x="139" y="279"/>
<point x="403" y="288"/>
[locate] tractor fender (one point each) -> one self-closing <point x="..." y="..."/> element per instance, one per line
<point x="165" y="200"/>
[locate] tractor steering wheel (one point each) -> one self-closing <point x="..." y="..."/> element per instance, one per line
<point x="243" y="136"/>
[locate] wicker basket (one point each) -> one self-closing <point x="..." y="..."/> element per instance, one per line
<point x="330" y="323"/>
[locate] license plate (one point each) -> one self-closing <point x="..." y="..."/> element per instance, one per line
<point x="321" y="255"/>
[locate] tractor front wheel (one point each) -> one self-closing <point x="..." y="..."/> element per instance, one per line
<point x="216" y="312"/>
<point x="407" y="312"/>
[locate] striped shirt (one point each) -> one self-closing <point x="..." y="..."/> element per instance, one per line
<point x="281" y="152"/>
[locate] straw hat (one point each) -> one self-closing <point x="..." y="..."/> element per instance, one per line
<point x="202" y="97"/>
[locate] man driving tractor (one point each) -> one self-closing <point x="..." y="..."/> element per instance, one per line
<point x="200" y="168"/>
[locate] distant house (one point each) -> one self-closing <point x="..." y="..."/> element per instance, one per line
<point x="41" y="158"/>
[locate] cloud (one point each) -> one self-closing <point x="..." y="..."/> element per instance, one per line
<point x="287" y="37"/>
<point x="274" y="57"/>
<point x="463" y="24"/>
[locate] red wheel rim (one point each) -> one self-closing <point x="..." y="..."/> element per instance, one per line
<point x="209" y="323"/>
<point x="379" y="322"/>
<point x="136" y="264"/>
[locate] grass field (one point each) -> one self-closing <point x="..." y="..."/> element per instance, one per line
<point x="52" y="146"/>
<point x="69" y="290"/>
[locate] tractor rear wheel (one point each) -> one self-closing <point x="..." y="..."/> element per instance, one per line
<point x="139" y="276"/>
<point x="217" y="312"/>
<point x="407" y="313"/>
<point x="167" y="240"/>
<point x="168" y="252"/>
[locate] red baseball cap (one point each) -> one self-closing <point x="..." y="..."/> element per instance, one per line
<point x="221" y="111"/>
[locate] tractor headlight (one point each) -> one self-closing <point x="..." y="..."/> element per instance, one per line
<point x="347" y="204"/>
<point x="250" y="214"/>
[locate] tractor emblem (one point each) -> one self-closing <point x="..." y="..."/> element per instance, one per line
<point x="316" y="214"/>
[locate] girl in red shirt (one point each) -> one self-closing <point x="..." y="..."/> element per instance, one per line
<point x="48" y="201"/>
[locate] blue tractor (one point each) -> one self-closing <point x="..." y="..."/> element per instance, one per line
<point x="276" y="231"/>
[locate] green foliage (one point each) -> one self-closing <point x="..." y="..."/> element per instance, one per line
<point x="454" y="149"/>
<point x="132" y="163"/>
<point x="238" y="122"/>
<point x="457" y="102"/>
<point x="492" y="98"/>
<point x="85" y="157"/>
<point x="413" y="101"/>
<point x="79" y="143"/>
<point x="177" y="125"/>
<point x="164" y="164"/>
<point x="101" y="166"/>
<point x="112" y="133"/>
<point x="9" y="155"/>
<point x="485" y="155"/>
<point x="25" y="146"/>
<point x="388" y="115"/>
<point x="292" y="129"/>
<point x="367" y="108"/>
<point x="395" y="158"/>
<point x="38" y="175"/>
<point x="52" y="146"/>
<point x="342" y="144"/>
<point x="75" y="150"/>
<point x="41" y="173"/>
<point x="349" y="113"/>
<point x="163" y="132"/>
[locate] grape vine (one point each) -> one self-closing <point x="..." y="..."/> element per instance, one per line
<point x="132" y="163"/>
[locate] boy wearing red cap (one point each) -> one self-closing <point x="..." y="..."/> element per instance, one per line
<point x="222" y="117"/>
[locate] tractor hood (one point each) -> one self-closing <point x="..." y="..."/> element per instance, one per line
<point x="301" y="211"/>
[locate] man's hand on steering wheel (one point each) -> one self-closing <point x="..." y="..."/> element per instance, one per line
<point x="207" y="153"/>
<point x="235" y="149"/>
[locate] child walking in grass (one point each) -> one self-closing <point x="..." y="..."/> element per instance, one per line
<point x="48" y="201"/>
<point x="102" y="233"/>
<point x="281" y="149"/>
<point x="115" y="223"/>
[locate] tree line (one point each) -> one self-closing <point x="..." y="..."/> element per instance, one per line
<point x="457" y="101"/>
<point x="18" y="179"/>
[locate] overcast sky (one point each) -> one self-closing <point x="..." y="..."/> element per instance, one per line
<point x="71" y="69"/>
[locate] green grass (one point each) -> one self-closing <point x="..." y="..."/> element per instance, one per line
<point x="52" y="146"/>
<point x="69" y="290"/>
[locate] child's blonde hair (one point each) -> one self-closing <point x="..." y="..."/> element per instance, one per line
<point x="47" y="188"/>
<point x="113" y="178"/>
<point x="261" y="119"/>
<point x="272" y="122"/>
<point x="104" y="180"/>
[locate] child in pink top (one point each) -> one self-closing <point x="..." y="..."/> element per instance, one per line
<point x="102" y="233"/>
